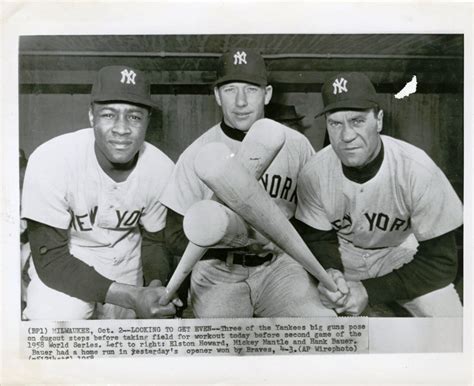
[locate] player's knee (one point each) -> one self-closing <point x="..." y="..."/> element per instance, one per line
<point x="44" y="303"/>
<point x="38" y="312"/>
<point x="444" y="302"/>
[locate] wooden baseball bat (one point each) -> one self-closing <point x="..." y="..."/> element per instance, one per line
<point x="259" y="147"/>
<point x="210" y="224"/>
<point x="234" y="186"/>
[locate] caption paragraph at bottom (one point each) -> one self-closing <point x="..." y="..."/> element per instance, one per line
<point x="142" y="338"/>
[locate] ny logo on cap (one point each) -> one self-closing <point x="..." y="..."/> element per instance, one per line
<point x="339" y="86"/>
<point x="240" y="57"/>
<point x="128" y="76"/>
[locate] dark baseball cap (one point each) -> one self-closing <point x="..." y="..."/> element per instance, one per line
<point x="122" y="84"/>
<point x="348" y="91"/>
<point x="241" y="65"/>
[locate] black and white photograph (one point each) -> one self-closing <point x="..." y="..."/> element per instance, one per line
<point x="260" y="194"/>
<point x="376" y="218"/>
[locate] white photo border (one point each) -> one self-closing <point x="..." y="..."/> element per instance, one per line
<point x="199" y="17"/>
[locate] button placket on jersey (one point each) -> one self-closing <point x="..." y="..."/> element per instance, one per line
<point x="359" y="226"/>
<point x="112" y="204"/>
<point x="359" y="212"/>
<point x="113" y="196"/>
<point x="107" y="216"/>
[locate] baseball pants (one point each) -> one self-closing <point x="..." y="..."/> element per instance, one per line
<point x="45" y="303"/>
<point x="278" y="288"/>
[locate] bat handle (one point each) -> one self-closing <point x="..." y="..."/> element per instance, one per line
<point x="166" y="298"/>
<point x="191" y="256"/>
<point x="328" y="282"/>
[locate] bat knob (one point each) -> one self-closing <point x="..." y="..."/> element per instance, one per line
<point x="205" y="223"/>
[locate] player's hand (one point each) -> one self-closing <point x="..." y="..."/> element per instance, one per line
<point x="145" y="301"/>
<point x="147" y="304"/>
<point x="356" y="301"/>
<point x="336" y="299"/>
<point x="174" y="299"/>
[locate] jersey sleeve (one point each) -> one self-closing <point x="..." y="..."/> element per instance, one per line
<point x="306" y="151"/>
<point x="436" y="207"/>
<point x="154" y="216"/>
<point x="45" y="188"/>
<point x="309" y="208"/>
<point x="184" y="188"/>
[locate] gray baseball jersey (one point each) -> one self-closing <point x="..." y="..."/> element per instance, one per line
<point x="408" y="195"/>
<point x="280" y="180"/>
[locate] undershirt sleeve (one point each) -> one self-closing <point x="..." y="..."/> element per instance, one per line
<point x="60" y="270"/>
<point x="323" y="244"/>
<point x="434" y="266"/>
<point x="156" y="261"/>
<point x="176" y="240"/>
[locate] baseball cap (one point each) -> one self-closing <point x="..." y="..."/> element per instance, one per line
<point x="122" y="83"/>
<point x="351" y="90"/>
<point x="241" y="65"/>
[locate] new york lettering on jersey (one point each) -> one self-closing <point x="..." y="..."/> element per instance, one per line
<point x="367" y="218"/>
<point x="281" y="177"/>
<point x="124" y="219"/>
<point x="279" y="181"/>
<point x="375" y="221"/>
<point x="277" y="186"/>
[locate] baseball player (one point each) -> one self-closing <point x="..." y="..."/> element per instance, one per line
<point x="392" y="208"/>
<point x="91" y="201"/>
<point x="258" y="280"/>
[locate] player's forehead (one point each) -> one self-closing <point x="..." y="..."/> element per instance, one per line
<point x="341" y="115"/>
<point x="238" y="85"/>
<point x="119" y="106"/>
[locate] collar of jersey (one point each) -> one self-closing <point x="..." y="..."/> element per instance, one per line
<point x="236" y="134"/>
<point x="368" y="171"/>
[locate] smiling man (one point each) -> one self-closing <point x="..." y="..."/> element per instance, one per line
<point x="393" y="210"/>
<point x="257" y="280"/>
<point x="91" y="201"/>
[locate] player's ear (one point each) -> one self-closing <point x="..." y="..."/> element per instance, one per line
<point x="91" y="115"/>
<point x="268" y="94"/>
<point x="217" y="95"/>
<point x="379" y="121"/>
